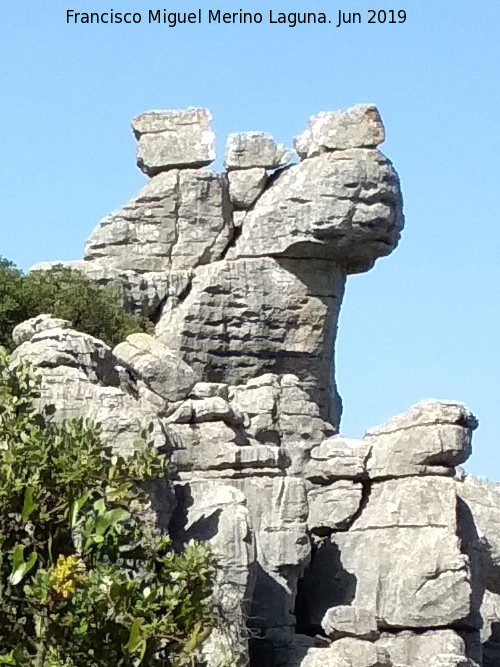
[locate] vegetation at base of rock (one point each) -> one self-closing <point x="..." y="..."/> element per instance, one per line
<point x="86" y="577"/>
<point x="68" y="294"/>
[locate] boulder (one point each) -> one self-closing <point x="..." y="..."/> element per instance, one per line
<point x="432" y="437"/>
<point x="357" y="127"/>
<point x="405" y="554"/>
<point x="246" y="185"/>
<point x="344" y="206"/>
<point x="160" y="369"/>
<point x="437" y="648"/>
<point x="169" y="139"/>
<point x="25" y="331"/>
<point x="333" y="507"/>
<point x="248" y="150"/>
<point x="350" y="621"/>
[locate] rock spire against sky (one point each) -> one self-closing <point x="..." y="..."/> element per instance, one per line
<point x="376" y="552"/>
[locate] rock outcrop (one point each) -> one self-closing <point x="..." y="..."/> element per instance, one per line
<point x="332" y="551"/>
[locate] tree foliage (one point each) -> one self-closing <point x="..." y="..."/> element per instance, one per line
<point x="86" y="577"/>
<point x="65" y="293"/>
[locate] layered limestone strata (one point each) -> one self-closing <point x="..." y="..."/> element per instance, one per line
<point x="332" y="551"/>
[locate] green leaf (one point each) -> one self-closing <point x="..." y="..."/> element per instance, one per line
<point x="20" y="568"/>
<point x="76" y="507"/>
<point x="29" y="504"/>
<point x="135" y="636"/>
<point x="110" y="519"/>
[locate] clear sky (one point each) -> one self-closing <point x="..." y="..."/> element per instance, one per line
<point x="425" y="322"/>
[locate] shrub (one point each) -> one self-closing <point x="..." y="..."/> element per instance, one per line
<point x="86" y="578"/>
<point x="68" y="294"/>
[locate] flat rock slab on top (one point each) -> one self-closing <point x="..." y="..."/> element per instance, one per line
<point x="357" y="127"/>
<point x="169" y="139"/>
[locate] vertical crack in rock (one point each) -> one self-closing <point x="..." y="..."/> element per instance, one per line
<point x="332" y="551"/>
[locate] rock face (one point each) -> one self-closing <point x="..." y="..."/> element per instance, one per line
<point x="332" y="551"/>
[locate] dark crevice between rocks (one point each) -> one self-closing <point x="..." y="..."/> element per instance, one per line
<point x="325" y="584"/>
<point x="471" y="546"/>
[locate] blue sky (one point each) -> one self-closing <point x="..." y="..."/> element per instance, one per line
<point x="425" y="322"/>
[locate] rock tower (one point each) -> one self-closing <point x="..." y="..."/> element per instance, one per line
<point x="333" y="552"/>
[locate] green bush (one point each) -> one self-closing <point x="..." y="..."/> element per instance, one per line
<point x="86" y="578"/>
<point x="68" y="294"/>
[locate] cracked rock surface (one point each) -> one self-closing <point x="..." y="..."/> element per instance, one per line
<point x="333" y="552"/>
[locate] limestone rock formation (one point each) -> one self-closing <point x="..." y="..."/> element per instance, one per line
<point x="174" y="139"/>
<point x="332" y="551"/>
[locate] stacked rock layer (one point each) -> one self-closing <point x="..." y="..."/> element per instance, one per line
<point x="332" y="552"/>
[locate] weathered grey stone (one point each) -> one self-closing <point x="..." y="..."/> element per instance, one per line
<point x="490" y="632"/>
<point x="53" y="347"/>
<point x="358" y="127"/>
<point x="346" y="620"/>
<point x="163" y="372"/>
<point x="278" y="511"/>
<point x="343" y="206"/>
<point x="348" y="652"/>
<point x="246" y="185"/>
<point x="178" y="221"/>
<point x="209" y="389"/>
<point x="249" y="317"/>
<point x="440" y="648"/>
<point x="359" y="536"/>
<point x="169" y="139"/>
<point x="79" y="379"/>
<point x="238" y="218"/>
<point x="431" y="438"/>
<point x="405" y="554"/>
<point x="212" y="445"/>
<point x="217" y="514"/>
<point x="333" y="507"/>
<point x="248" y="150"/>
<point x="483" y="500"/>
<point x="26" y="330"/>
<point x="337" y="458"/>
<point x="212" y="408"/>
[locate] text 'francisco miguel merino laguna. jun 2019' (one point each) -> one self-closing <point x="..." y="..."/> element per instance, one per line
<point x="172" y="19"/>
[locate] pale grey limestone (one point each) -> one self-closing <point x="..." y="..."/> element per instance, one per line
<point x="483" y="500"/>
<point x="344" y="207"/>
<point x="209" y="389"/>
<point x="208" y="504"/>
<point x="348" y="652"/>
<point x="355" y="539"/>
<point x="350" y="621"/>
<point x="178" y="221"/>
<point x="79" y="378"/>
<point x="246" y="318"/>
<point x="337" y="458"/>
<point x="168" y="139"/>
<point x="334" y="506"/>
<point x="245" y="186"/>
<point x="215" y="446"/>
<point x="357" y="127"/>
<point x="438" y="648"/>
<point x="162" y="371"/>
<point x="431" y="438"/>
<point x="248" y="150"/>
<point x="405" y="554"/>
<point x="25" y="331"/>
